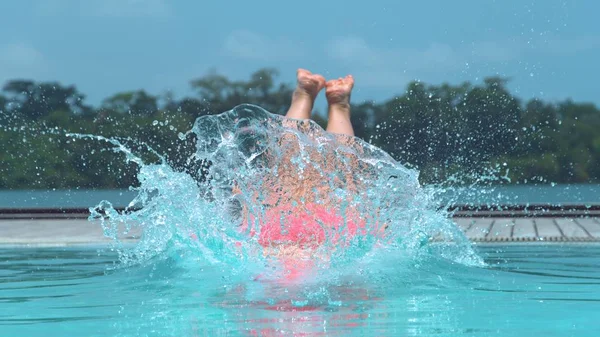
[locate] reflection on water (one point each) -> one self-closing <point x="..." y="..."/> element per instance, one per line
<point x="525" y="290"/>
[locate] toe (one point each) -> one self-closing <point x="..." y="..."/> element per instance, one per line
<point x="303" y="73"/>
<point x="321" y="81"/>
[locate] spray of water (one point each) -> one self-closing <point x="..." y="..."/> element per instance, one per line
<point x="264" y="186"/>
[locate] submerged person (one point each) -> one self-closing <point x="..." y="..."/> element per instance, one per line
<point x="300" y="212"/>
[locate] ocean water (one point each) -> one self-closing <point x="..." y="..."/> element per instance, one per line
<point x="561" y="194"/>
<point x="531" y="290"/>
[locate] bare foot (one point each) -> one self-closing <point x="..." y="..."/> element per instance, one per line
<point x="307" y="89"/>
<point x="338" y="91"/>
<point x="309" y="83"/>
<point x="338" y="96"/>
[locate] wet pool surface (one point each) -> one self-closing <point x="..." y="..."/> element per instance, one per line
<point x="526" y="290"/>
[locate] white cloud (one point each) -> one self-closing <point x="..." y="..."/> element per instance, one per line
<point x="572" y="46"/>
<point x="21" y="60"/>
<point x="51" y="8"/>
<point x="354" y="49"/>
<point x="494" y="52"/>
<point x="248" y="45"/>
<point x="128" y="8"/>
<point x="434" y="57"/>
<point x="20" y="55"/>
<point x="159" y="9"/>
<point x="395" y="66"/>
<point x="389" y="67"/>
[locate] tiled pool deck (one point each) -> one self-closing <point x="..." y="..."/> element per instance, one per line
<point x="35" y="230"/>
<point x="54" y="233"/>
<point x="531" y="229"/>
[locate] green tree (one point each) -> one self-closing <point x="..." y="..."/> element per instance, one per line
<point x="35" y="100"/>
<point x="440" y="129"/>
<point x="3" y="102"/>
<point x="218" y="94"/>
<point x="134" y="102"/>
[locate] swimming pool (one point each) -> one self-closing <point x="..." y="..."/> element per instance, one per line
<point x="198" y="268"/>
<point x="526" y="290"/>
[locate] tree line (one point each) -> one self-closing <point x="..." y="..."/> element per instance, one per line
<point x="446" y="131"/>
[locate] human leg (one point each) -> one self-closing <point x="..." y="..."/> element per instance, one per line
<point x="338" y="97"/>
<point x="307" y="89"/>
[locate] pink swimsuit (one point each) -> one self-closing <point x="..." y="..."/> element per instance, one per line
<point x="306" y="226"/>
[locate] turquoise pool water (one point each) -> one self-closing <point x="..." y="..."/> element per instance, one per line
<point x="220" y="250"/>
<point x="532" y="290"/>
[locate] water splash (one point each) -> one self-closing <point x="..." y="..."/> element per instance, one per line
<point x="265" y="188"/>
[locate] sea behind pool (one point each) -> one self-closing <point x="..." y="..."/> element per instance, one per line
<point x="584" y="194"/>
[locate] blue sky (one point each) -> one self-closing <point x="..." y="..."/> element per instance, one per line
<point x="549" y="48"/>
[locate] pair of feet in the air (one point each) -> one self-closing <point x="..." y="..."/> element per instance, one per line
<point x="338" y="97"/>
